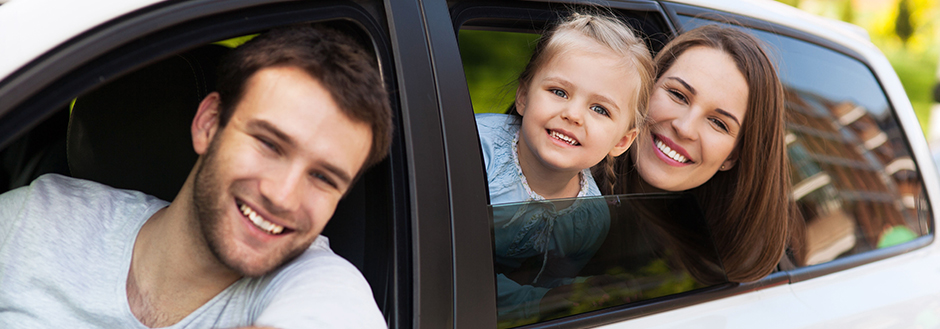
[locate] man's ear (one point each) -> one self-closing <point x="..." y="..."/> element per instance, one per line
<point x="624" y="143"/>
<point x="521" y="94"/>
<point x="206" y="122"/>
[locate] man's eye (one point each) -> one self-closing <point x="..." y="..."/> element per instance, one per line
<point x="600" y="110"/>
<point x="323" y="178"/>
<point x="559" y="93"/>
<point x="267" y="144"/>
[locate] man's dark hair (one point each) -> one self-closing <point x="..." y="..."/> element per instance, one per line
<point x="342" y="66"/>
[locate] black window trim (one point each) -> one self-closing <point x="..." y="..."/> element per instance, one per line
<point x="839" y="264"/>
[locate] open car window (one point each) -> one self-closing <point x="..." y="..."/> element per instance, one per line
<point x="121" y="114"/>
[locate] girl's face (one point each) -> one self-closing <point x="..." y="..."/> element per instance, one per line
<point x="696" y="111"/>
<point x="576" y="110"/>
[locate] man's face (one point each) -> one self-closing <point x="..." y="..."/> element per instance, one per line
<point x="271" y="178"/>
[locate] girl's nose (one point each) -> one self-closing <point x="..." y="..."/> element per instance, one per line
<point x="573" y="114"/>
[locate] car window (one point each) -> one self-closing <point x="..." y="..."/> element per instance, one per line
<point x="854" y="179"/>
<point x="591" y="253"/>
<point x="558" y="258"/>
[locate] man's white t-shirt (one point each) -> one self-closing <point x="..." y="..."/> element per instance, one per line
<point x="65" y="251"/>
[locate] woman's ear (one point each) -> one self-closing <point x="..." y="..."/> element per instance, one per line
<point x="730" y="161"/>
<point x="521" y="98"/>
<point x="206" y="122"/>
<point x="624" y="143"/>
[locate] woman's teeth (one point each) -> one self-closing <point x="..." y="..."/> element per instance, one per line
<point x="670" y="152"/>
<point x="259" y="221"/>
<point x="564" y="138"/>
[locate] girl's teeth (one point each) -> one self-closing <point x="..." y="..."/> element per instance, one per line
<point x="564" y="138"/>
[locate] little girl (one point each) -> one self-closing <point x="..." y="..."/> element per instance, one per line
<point x="579" y="102"/>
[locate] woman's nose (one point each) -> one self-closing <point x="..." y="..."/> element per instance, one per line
<point x="684" y="125"/>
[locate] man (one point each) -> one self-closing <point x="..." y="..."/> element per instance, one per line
<point x="300" y="112"/>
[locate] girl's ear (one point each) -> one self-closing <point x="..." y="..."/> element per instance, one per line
<point x="520" y="99"/>
<point x="624" y="143"/>
<point x="205" y="123"/>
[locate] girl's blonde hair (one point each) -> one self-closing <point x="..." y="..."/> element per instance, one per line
<point x="610" y="32"/>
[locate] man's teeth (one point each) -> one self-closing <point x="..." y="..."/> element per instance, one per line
<point x="564" y="138"/>
<point x="260" y="222"/>
<point x="670" y="152"/>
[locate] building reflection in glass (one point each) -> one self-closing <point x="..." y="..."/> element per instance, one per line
<point x="853" y="178"/>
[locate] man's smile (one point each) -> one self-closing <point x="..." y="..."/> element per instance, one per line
<point x="260" y="222"/>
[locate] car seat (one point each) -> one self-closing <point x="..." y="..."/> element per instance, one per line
<point x="134" y="132"/>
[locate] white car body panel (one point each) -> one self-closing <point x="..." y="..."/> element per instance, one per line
<point x="30" y="28"/>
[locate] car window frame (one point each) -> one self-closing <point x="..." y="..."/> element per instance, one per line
<point x="95" y="57"/>
<point x="463" y="12"/>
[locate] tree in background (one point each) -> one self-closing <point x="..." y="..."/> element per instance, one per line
<point x="902" y="24"/>
<point x="847" y="12"/>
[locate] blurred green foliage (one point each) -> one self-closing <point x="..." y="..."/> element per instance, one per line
<point x="906" y="31"/>
<point x="492" y="61"/>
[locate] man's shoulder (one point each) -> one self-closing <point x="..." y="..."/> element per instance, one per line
<point x="320" y="262"/>
<point x="320" y="289"/>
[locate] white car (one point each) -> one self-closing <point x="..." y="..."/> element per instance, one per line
<point x="105" y="89"/>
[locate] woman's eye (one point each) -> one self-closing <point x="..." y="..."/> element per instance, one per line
<point x="600" y="110"/>
<point x="677" y="95"/>
<point x="559" y="93"/>
<point x="718" y="123"/>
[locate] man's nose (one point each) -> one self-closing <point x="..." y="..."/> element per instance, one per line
<point x="282" y="189"/>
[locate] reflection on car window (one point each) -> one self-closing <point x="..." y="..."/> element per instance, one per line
<point x="854" y="179"/>
<point x="568" y="256"/>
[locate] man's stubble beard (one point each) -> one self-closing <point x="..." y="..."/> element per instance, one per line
<point x="210" y="207"/>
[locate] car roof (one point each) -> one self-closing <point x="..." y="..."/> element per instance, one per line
<point x="30" y="28"/>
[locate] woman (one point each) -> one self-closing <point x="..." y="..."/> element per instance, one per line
<point x="716" y="130"/>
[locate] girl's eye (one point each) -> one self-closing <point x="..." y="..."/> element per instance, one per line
<point x="600" y="110"/>
<point x="559" y="93"/>
<point x="677" y="95"/>
<point x="718" y="123"/>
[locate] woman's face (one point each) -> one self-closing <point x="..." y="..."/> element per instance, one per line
<point x="696" y="110"/>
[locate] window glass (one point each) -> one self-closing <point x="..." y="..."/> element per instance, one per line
<point x="569" y="256"/>
<point x="853" y="176"/>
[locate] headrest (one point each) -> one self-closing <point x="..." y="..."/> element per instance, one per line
<point x="134" y="132"/>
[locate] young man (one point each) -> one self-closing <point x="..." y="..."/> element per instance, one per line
<point x="300" y="112"/>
